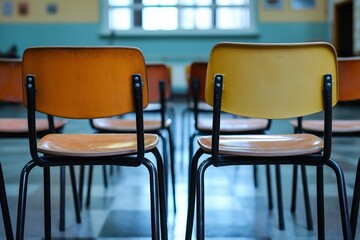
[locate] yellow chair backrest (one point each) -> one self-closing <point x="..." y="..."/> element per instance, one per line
<point x="349" y="78"/>
<point x="84" y="82"/>
<point x="272" y="81"/>
<point x="10" y="80"/>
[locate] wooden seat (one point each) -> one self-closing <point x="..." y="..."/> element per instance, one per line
<point x="91" y="145"/>
<point x="88" y="83"/>
<point x="264" y="145"/>
<point x="125" y="125"/>
<point x="268" y="81"/>
<point x="338" y="126"/>
<point x="232" y="125"/>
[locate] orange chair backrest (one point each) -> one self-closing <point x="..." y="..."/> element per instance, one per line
<point x="272" y="81"/>
<point x="198" y="71"/>
<point x="10" y="80"/>
<point x="84" y="82"/>
<point x="349" y="78"/>
<point x="157" y="72"/>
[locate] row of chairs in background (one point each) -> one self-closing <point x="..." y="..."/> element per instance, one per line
<point x="234" y="76"/>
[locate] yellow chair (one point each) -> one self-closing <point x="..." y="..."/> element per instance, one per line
<point x="270" y="81"/>
<point x="349" y="84"/>
<point x="202" y="125"/>
<point x="85" y="83"/>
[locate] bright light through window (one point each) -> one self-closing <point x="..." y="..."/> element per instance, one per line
<point x="156" y="18"/>
<point x="119" y="19"/>
<point x="171" y="15"/>
<point x="226" y="15"/>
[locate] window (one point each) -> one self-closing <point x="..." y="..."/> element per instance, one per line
<point x="180" y="16"/>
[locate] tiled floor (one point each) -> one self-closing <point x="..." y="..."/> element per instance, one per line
<point x="235" y="209"/>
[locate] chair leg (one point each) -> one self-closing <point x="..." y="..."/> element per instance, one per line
<point x="279" y="197"/>
<point x="163" y="210"/>
<point x="155" y="233"/>
<point x="166" y="166"/>
<point x="183" y="132"/>
<point x="62" y="199"/>
<point x="255" y="176"/>
<point x="191" y="194"/>
<point x="5" y="208"/>
<point x="81" y="185"/>
<point x="320" y="201"/>
<point x="24" y="177"/>
<point x="87" y="204"/>
<point x="105" y="176"/>
<point x="200" y="201"/>
<point x="47" y="203"/>
<point x="294" y="189"/>
<point x="172" y="166"/>
<point x="355" y="202"/>
<point x="309" y="220"/>
<point x="268" y="178"/>
<point x="75" y="194"/>
<point x="191" y="146"/>
<point x="344" y="210"/>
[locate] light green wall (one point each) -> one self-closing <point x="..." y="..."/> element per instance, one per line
<point x="177" y="51"/>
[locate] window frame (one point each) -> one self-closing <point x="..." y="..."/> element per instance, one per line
<point x="252" y="30"/>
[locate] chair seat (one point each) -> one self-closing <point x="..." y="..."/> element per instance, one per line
<point x="265" y="145"/>
<point x="93" y="145"/>
<point x="338" y="126"/>
<point x="124" y="125"/>
<point x="20" y="125"/>
<point x="234" y="124"/>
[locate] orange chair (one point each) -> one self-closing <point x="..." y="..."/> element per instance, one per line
<point x="159" y="79"/>
<point x="17" y="127"/>
<point x="270" y="81"/>
<point x="86" y="83"/>
<point x="349" y="85"/>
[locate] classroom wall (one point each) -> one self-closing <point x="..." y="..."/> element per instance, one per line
<point x="78" y="22"/>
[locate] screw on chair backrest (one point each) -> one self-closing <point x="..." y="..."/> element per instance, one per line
<point x="84" y="82"/>
<point x="272" y="81"/>
<point x="349" y="75"/>
<point x="10" y="80"/>
<point x="157" y="72"/>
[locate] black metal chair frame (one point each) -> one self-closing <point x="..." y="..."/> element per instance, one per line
<point x="317" y="160"/>
<point x="47" y="161"/>
<point x="169" y="130"/>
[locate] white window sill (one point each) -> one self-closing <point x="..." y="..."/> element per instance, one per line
<point x="179" y="33"/>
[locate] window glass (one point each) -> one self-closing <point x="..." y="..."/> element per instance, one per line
<point x="232" y="2"/>
<point x="119" y="2"/>
<point x="178" y="15"/>
<point x="120" y="19"/>
<point x="156" y="18"/>
<point x="159" y="2"/>
<point x="232" y="18"/>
